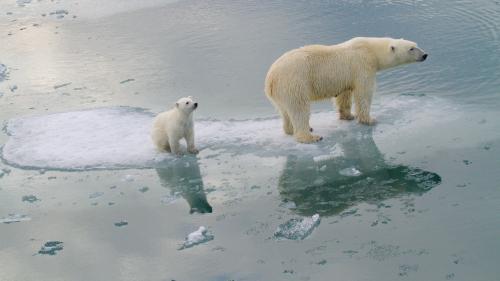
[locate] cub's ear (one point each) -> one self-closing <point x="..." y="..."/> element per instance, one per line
<point x="190" y="97"/>
<point x="176" y="104"/>
<point x="393" y="48"/>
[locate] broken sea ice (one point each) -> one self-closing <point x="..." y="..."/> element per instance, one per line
<point x="297" y="229"/>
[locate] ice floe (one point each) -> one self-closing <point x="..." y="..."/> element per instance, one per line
<point x="119" y="137"/>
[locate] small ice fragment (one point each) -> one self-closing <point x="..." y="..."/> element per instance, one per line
<point x="10" y="218"/>
<point x="95" y="195"/>
<point x="324" y="157"/>
<point x="288" y="205"/>
<point x="29" y="198"/>
<point x="121" y="223"/>
<point x="199" y="236"/>
<point x="171" y="198"/>
<point x="350" y="172"/>
<point x="60" y="12"/>
<point x="297" y="229"/>
<point x="51" y="247"/>
<point x="61" y="85"/>
<point x="322" y="168"/>
<point x="127" y="80"/>
<point x="129" y="178"/>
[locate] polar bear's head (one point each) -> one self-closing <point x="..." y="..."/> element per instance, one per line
<point x="393" y="52"/>
<point x="186" y="105"/>
<point x="403" y="52"/>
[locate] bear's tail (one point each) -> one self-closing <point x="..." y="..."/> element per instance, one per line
<point x="269" y="85"/>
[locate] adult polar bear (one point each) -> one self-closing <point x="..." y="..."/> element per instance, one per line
<point x="344" y="71"/>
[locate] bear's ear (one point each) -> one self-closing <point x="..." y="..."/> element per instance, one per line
<point x="393" y="48"/>
<point x="176" y="104"/>
<point x="190" y="97"/>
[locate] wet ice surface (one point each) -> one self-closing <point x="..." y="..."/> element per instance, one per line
<point x="119" y="137"/>
<point x="297" y="228"/>
<point x="202" y="235"/>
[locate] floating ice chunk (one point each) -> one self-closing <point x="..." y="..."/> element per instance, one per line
<point x="60" y="13"/>
<point x="297" y="229"/>
<point x="51" y="247"/>
<point x="350" y="172"/>
<point x="202" y="235"/>
<point x="61" y="85"/>
<point x="288" y="205"/>
<point x="127" y="80"/>
<point x="3" y="72"/>
<point x="29" y="198"/>
<point x="10" y="218"/>
<point x="95" y="195"/>
<point x="121" y="223"/>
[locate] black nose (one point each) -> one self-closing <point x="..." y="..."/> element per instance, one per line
<point x="195" y="105"/>
<point x="424" y="57"/>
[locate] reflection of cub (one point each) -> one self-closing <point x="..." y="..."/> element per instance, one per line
<point x="183" y="176"/>
<point x="176" y="124"/>
<point x="321" y="186"/>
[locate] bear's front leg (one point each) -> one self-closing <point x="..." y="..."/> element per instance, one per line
<point x="190" y="142"/>
<point x="174" y="146"/>
<point x="344" y="103"/>
<point x="362" y="94"/>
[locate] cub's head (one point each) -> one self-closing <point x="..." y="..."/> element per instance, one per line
<point x="186" y="105"/>
<point x="403" y="51"/>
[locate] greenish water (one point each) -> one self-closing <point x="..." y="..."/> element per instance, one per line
<point x="416" y="197"/>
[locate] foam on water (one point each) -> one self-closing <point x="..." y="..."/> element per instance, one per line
<point x="119" y="137"/>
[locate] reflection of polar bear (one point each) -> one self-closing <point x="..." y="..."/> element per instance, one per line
<point x="343" y="71"/>
<point x="171" y="126"/>
<point x="319" y="186"/>
<point x="183" y="176"/>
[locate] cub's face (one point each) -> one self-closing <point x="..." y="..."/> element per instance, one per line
<point x="405" y="51"/>
<point x="186" y="105"/>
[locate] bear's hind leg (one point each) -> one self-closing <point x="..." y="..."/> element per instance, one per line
<point x="287" y="123"/>
<point x="344" y="103"/>
<point x="299" y="116"/>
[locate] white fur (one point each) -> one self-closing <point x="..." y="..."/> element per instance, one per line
<point x="171" y="126"/>
<point x="343" y="71"/>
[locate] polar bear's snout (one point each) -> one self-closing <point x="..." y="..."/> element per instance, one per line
<point x="423" y="57"/>
<point x="196" y="104"/>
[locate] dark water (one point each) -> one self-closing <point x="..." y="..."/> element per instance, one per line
<point x="415" y="198"/>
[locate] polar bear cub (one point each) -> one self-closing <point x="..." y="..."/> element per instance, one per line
<point x="171" y="126"/>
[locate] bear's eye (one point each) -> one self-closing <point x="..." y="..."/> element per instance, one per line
<point x="412" y="49"/>
<point x="187" y="102"/>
